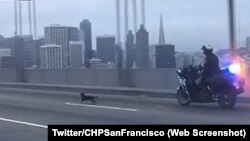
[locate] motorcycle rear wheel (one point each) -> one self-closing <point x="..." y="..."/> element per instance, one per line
<point x="228" y="100"/>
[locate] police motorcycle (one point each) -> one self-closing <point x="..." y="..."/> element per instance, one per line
<point x="221" y="88"/>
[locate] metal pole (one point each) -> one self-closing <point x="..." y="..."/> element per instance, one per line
<point x="143" y="12"/>
<point x="135" y="16"/>
<point x="232" y="27"/>
<point x="20" y="18"/>
<point x="30" y="18"/>
<point x="16" y="20"/>
<point x="126" y="18"/>
<point x="118" y="22"/>
<point x="35" y="20"/>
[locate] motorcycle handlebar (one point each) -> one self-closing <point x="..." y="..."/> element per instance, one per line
<point x="199" y="68"/>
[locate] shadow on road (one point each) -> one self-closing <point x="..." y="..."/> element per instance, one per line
<point x="215" y="108"/>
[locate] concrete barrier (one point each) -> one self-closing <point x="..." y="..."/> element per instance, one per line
<point x="158" y="78"/>
<point x="46" y="76"/>
<point x="8" y="75"/>
<point x="154" y="78"/>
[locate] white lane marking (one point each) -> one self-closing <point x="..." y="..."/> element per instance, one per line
<point x="23" y="123"/>
<point x="103" y="107"/>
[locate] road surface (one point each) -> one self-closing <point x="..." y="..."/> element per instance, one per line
<point x="25" y="114"/>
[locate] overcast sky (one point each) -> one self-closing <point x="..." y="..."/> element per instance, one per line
<point x="188" y="23"/>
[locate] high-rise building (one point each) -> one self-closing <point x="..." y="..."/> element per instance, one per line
<point x="25" y="50"/>
<point x="106" y="48"/>
<point x="73" y="34"/>
<point x="94" y="53"/>
<point x="61" y="35"/>
<point x="86" y="35"/>
<point x="76" y="53"/>
<point x="9" y="43"/>
<point x="40" y="42"/>
<point x="142" y="48"/>
<point x="152" y="56"/>
<point x="16" y="45"/>
<point x="51" y="56"/>
<point x="3" y="54"/>
<point x="248" y="43"/>
<point x="2" y="42"/>
<point x="7" y="62"/>
<point x="32" y="54"/>
<point x="165" y="56"/>
<point x="57" y="34"/>
<point x="97" y="64"/>
<point x="27" y="38"/>
<point x="130" y="49"/>
<point x="119" y="56"/>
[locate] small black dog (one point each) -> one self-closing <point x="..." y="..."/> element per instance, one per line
<point x="90" y="98"/>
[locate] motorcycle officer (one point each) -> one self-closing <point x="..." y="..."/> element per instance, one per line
<point x="210" y="67"/>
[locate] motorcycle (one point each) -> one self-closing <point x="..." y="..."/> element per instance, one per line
<point x="221" y="88"/>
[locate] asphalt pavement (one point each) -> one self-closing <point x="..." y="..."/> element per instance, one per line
<point x="25" y="114"/>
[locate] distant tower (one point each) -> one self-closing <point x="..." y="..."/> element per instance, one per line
<point x="86" y="30"/>
<point x="130" y="49"/>
<point x="76" y="53"/>
<point x="142" y="48"/>
<point x="19" y="20"/>
<point x="106" y="48"/>
<point x="161" y="36"/>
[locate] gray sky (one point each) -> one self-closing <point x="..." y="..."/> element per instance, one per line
<point x="188" y="23"/>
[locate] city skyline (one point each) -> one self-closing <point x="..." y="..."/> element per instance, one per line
<point x="188" y="25"/>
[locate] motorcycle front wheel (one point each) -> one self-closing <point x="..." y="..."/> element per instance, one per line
<point x="183" y="98"/>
